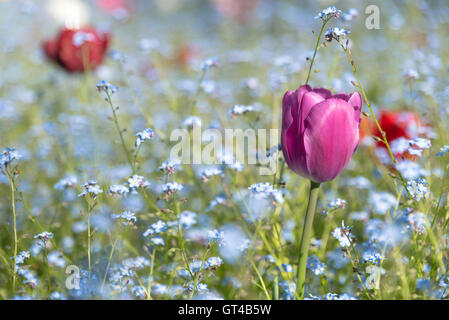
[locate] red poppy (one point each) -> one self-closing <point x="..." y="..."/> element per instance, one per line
<point x="396" y="125"/>
<point x="77" y="50"/>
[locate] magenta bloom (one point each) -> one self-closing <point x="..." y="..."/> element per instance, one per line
<point x="320" y="131"/>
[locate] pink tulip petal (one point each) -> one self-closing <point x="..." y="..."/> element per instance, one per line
<point x="300" y="92"/>
<point x="293" y="154"/>
<point x="355" y="100"/>
<point x="288" y="103"/>
<point x="329" y="139"/>
<point x="308" y="101"/>
<point x="341" y="95"/>
<point x="326" y="94"/>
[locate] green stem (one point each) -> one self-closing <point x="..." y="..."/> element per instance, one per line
<point x="150" y="279"/>
<point x="88" y="241"/>
<point x="48" y="267"/>
<point x="276" y="288"/>
<point x="316" y="50"/>
<point x="281" y="173"/>
<point x="120" y="132"/>
<point x="89" y="235"/>
<point x="441" y="196"/>
<point x="108" y="265"/>
<point x="136" y="154"/>
<point x="305" y="238"/>
<point x="197" y="278"/>
<point x="136" y="101"/>
<point x="13" y="204"/>
<point x="262" y="283"/>
<point x="365" y="98"/>
<point x="405" y="290"/>
<point x="36" y="221"/>
<point x="354" y="264"/>
<point x="198" y="90"/>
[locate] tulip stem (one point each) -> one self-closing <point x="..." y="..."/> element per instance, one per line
<point x="305" y="238"/>
<point x="316" y="50"/>
<point x="384" y="136"/>
<point x="275" y="291"/>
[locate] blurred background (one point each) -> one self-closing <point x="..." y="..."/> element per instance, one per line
<point x="156" y="56"/>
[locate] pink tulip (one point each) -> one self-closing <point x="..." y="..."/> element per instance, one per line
<point x="320" y="131"/>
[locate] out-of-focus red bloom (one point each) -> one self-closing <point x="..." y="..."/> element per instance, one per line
<point x="78" y="50"/>
<point x="365" y="129"/>
<point x="185" y="54"/>
<point x="397" y="124"/>
<point x="238" y="10"/>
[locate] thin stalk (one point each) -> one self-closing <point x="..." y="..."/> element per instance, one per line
<point x="276" y="288"/>
<point x="36" y="221"/>
<point x="262" y="283"/>
<point x="305" y="238"/>
<point x="259" y="231"/>
<point x="90" y="207"/>
<point x="354" y="267"/>
<point x="405" y="290"/>
<point x="136" y="154"/>
<point x="150" y="280"/>
<point x="108" y="265"/>
<point x="120" y="132"/>
<point x="136" y="100"/>
<point x="13" y="205"/>
<point x="180" y="239"/>
<point x="48" y="267"/>
<point x="353" y="261"/>
<point x="88" y="239"/>
<point x="281" y="173"/>
<point x="197" y="278"/>
<point x="325" y="238"/>
<point x="198" y="90"/>
<point x="365" y="98"/>
<point x="162" y="72"/>
<point x="316" y="50"/>
<point x="441" y="195"/>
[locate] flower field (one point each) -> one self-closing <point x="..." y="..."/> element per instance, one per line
<point x="224" y="149"/>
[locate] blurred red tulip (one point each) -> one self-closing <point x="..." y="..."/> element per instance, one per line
<point x="78" y="50"/>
